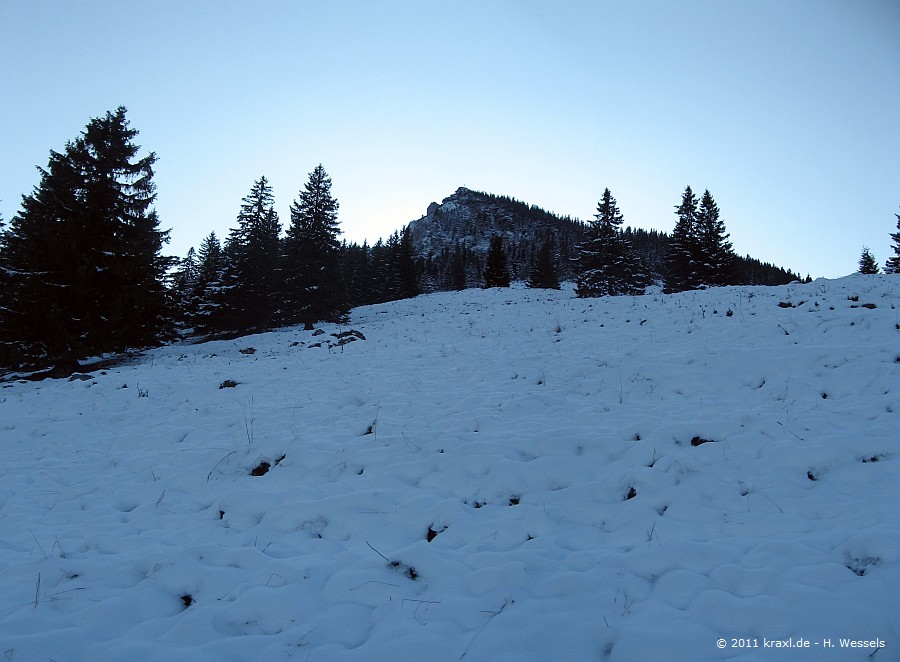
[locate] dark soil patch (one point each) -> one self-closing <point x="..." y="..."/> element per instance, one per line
<point x="261" y="469"/>
<point x="433" y="533"/>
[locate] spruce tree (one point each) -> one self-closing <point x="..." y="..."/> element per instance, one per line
<point x="357" y="270"/>
<point x="209" y="258"/>
<point x="607" y="264"/>
<point x="681" y="257"/>
<point x="313" y="286"/>
<point x="7" y="350"/>
<point x="184" y="287"/>
<point x="867" y="263"/>
<point x="496" y="272"/>
<point x="714" y="257"/>
<point x="210" y="274"/>
<point x="406" y="272"/>
<point x="543" y="271"/>
<point x="892" y="264"/>
<point x="248" y="295"/>
<point x="396" y="268"/>
<point x="83" y="252"/>
<point x="186" y="275"/>
<point x="378" y="288"/>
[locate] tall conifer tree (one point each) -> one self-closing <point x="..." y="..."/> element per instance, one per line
<point x="714" y="257"/>
<point x="7" y="350"/>
<point x="184" y="287"/>
<point x="84" y="252"/>
<point x="405" y="266"/>
<point x="248" y="295"/>
<point x="496" y="272"/>
<point x="314" y="288"/>
<point x="399" y="280"/>
<point x="681" y="258"/>
<point x="892" y="264"/>
<point x="543" y="271"/>
<point x="607" y="264"/>
<point x="210" y="274"/>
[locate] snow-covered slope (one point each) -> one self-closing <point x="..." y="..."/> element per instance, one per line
<point x="489" y="475"/>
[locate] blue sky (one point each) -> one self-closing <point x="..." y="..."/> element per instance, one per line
<point x="788" y="112"/>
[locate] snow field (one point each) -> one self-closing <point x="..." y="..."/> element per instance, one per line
<point x="490" y="475"/>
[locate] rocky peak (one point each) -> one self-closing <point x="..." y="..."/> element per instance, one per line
<point x="468" y="219"/>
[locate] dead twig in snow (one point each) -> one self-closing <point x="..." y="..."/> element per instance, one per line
<point x="493" y="615"/>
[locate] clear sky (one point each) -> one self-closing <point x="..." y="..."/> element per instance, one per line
<point x="787" y="111"/>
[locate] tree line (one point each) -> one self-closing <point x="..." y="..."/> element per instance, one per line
<point x="698" y="254"/>
<point x="258" y="279"/>
<point x="82" y="271"/>
<point x="868" y="264"/>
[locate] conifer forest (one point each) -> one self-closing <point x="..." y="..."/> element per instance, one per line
<point x="84" y="272"/>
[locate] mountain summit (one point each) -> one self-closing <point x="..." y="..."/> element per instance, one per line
<point x="464" y="223"/>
